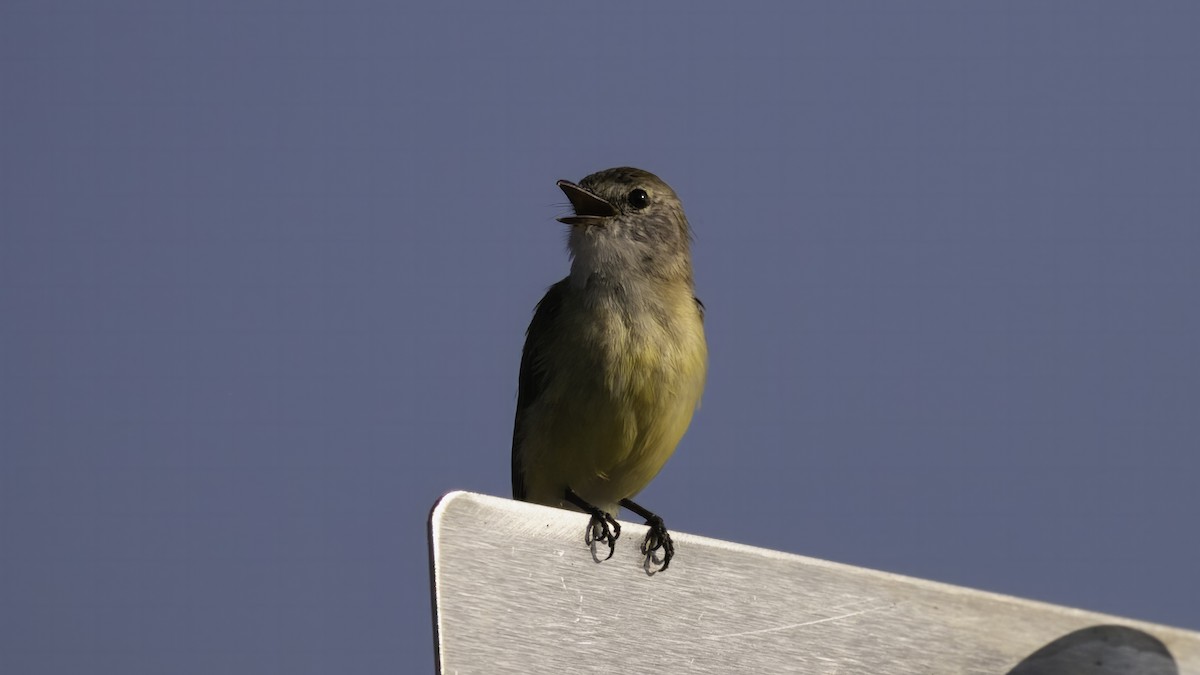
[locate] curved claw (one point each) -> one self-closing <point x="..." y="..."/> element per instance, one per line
<point x="598" y="529"/>
<point x="658" y="538"/>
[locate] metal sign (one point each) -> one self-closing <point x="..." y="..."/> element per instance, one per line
<point x="516" y="591"/>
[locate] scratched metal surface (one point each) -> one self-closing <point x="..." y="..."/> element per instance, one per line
<point x="516" y="591"/>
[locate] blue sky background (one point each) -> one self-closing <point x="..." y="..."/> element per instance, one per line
<point x="265" y="269"/>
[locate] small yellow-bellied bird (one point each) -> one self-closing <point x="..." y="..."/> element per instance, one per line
<point x="614" y="359"/>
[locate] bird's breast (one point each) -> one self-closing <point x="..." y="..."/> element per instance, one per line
<point x="653" y="354"/>
<point x="621" y="394"/>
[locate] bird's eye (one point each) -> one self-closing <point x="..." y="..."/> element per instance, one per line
<point x="638" y="198"/>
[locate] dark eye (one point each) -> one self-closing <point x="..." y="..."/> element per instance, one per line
<point x="638" y="198"/>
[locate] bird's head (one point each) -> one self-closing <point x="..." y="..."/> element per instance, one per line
<point x="628" y="224"/>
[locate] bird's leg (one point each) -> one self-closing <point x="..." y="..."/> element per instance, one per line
<point x="658" y="537"/>
<point x="599" y="527"/>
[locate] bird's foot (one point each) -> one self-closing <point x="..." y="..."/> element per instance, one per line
<point x="658" y="538"/>
<point x="601" y="528"/>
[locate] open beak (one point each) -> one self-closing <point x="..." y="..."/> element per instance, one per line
<point x="589" y="209"/>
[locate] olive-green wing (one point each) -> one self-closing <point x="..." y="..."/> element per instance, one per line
<point x="532" y="380"/>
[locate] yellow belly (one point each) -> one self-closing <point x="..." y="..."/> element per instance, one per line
<point x="616" y="404"/>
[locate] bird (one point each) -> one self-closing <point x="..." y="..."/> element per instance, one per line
<point x="615" y="358"/>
